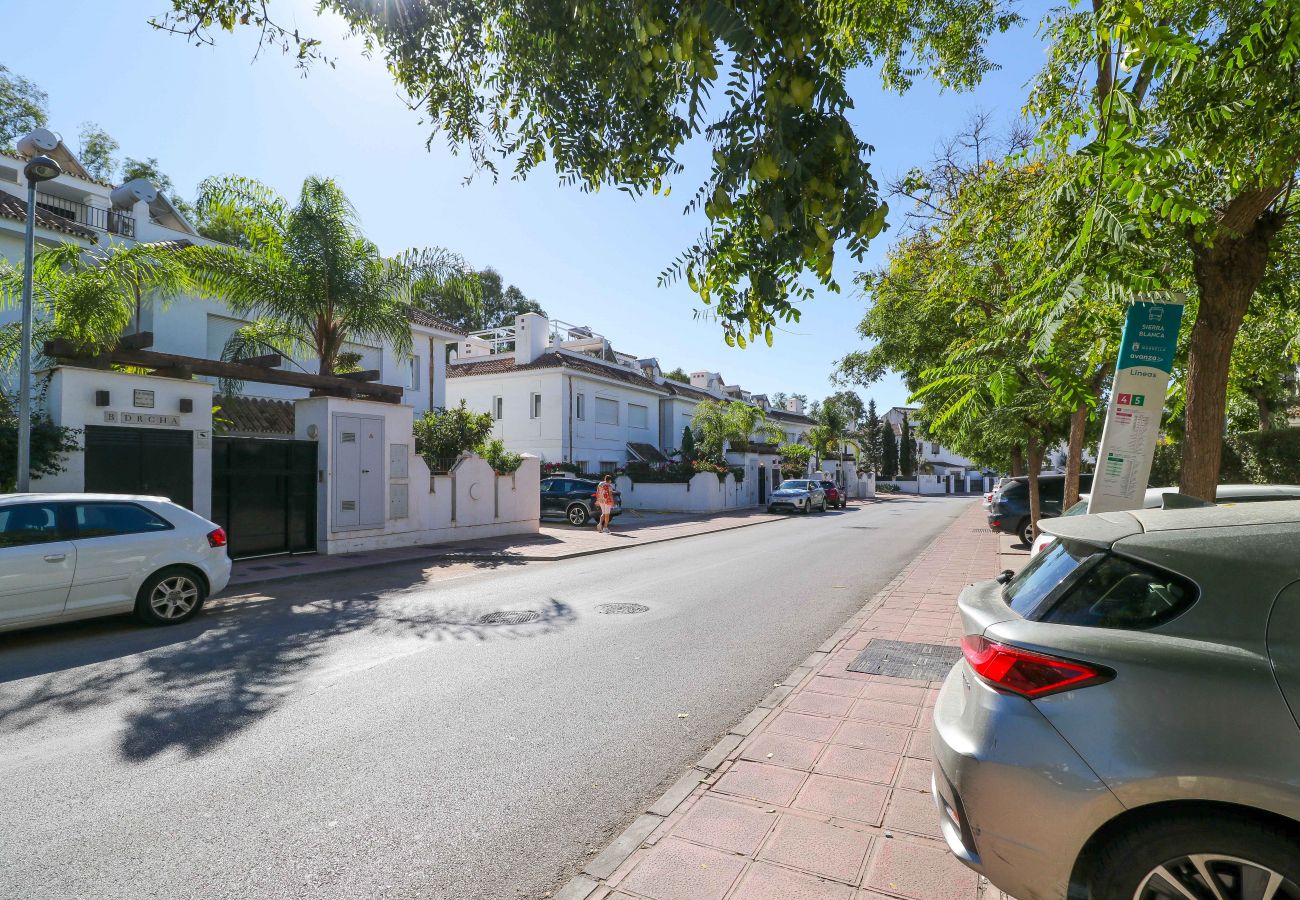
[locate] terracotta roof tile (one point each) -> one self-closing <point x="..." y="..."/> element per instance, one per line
<point x="429" y="320"/>
<point x="12" y="207"/>
<point x="552" y="360"/>
<point x="255" y="415"/>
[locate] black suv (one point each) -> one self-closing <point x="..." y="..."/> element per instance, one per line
<point x="1009" y="511"/>
<point x="574" y="498"/>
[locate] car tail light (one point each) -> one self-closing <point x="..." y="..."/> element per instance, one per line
<point x="217" y="538"/>
<point x="1027" y="673"/>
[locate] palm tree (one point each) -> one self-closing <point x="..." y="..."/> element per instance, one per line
<point x="719" y="424"/>
<point x="88" y="297"/>
<point x="831" y="433"/>
<point x="306" y="273"/>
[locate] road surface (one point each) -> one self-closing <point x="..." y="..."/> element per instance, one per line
<point x="365" y="736"/>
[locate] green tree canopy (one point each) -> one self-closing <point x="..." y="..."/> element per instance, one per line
<point x="476" y="302"/>
<point x="613" y="96"/>
<point x="305" y="271"/>
<point x="96" y="151"/>
<point x="23" y="107"/>
<point x="678" y="374"/>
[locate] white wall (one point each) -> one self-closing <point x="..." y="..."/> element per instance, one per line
<point x="704" y="493"/>
<point x="471" y="502"/>
<point x="70" y="401"/>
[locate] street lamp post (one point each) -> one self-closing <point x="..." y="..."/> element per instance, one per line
<point x="38" y="169"/>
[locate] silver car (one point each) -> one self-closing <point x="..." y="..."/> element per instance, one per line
<point x="1124" y="721"/>
<point x="801" y="495"/>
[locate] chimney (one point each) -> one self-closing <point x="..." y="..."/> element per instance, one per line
<point x="794" y="405"/>
<point x="707" y="381"/>
<point x="531" y="337"/>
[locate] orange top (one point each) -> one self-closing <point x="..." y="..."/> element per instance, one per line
<point x="605" y="494"/>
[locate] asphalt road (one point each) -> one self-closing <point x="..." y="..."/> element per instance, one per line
<point x="363" y="736"/>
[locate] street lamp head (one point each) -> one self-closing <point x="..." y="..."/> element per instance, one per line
<point x="41" y="168"/>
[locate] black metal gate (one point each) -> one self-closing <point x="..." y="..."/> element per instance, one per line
<point x="264" y="495"/>
<point x="762" y="485"/>
<point x="154" y="461"/>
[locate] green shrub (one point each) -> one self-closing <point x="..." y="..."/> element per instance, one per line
<point x="502" y="461"/>
<point x="1249" y="457"/>
<point x="670" y="473"/>
<point x="442" y="435"/>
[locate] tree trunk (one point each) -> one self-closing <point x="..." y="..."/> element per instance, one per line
<point x="1035" y="462"/>
<point x="1265" y="407"/>
<point x="1227" y="274"/>
<point x="1017" y="461"/>
<point x="1074" y="456"/>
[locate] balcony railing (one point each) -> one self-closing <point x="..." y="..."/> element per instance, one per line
<point x="109" y="220"/>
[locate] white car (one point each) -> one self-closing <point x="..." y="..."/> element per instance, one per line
<point x="75" y="556"/>
<point x="1154" y="499"/>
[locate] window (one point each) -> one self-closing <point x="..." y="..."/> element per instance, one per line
<point x="934" y="448"/>
<point x="413" y="374"/>
<point x="28" y="523"/>
<point x="535" y="406"/>
<point x="608" y="467"/>
<point x="638" y="416"/>
<point x="606" y="411"/>
<point x="1122" y="594"/>
<point x="498" y="408"/>
<point x="580" y="406"/>
<point x="108" y="519"/>
<point x="1032" y="591"/>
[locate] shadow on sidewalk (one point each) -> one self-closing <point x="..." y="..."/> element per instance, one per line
<point x="204" y="681"/>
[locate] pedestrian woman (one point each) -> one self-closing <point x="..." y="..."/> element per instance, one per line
<point x="605" y="502"/>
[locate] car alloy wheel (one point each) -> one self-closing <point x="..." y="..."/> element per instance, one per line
<point x="578" y="515"/>
<point x="1213" y="875"/>
<point x="174" y="597"/>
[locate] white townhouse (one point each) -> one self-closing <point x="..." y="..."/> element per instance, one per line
<point x="96" y="215"/>
<point x="943" y="461"/>
<point x="564" y="393"/>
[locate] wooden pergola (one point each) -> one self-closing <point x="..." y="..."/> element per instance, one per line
<point x="132" y="350"/>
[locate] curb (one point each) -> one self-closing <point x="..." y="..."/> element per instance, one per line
<point x="471" y="556"/>
<point x="590" y="880"/>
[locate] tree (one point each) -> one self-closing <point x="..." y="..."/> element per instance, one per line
<point x="849" y="404"/>
<point x="614" y="98"/>
<point x="50" y="445"/>
<point x="718" y="424"/>
<point x="872" y="439"/>
<point x="688" y="444"/>
<point x="24" y="107"/>
<point x="96" y="151"/>
<point x="678" y="374"/>
<point x="831" y="433"/>
<point x="475" y="302"/>
<point x="88" y="297"/>
<point x="442" y="435"/>
<point x="1190" y="120"/>
<point x="889" y="452"/>
<point x="779" y="400"/>
<point x="794" y="459"/>
<point x="907" y="450"/>
<point x="306" y="272"/>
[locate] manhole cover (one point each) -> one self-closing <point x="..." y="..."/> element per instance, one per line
<point x="900" y="659"/>
<point x="509" y="617"/>
<point x="621" y="609"/>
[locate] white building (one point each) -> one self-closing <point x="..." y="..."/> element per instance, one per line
<point x="77" y="208"/>
<point x="941" y="460"/>
<point x="565" y="394"/>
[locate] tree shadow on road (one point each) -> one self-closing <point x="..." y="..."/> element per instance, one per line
<point x="195" y="685"/>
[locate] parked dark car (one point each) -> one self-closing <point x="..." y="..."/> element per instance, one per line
<point x="574" y="498"/>
<point x="835" y="498"/>
<point x="1009" y="511"/>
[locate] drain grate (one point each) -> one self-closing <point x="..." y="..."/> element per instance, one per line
<point x="621" y="609"/>
<point x="900" y="659"/>
<point x="509" y="617"/>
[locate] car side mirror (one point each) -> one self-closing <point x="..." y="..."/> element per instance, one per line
<point x="1006" y="575"/>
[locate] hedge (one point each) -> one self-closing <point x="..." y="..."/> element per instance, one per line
<point x="1249" y="457"/>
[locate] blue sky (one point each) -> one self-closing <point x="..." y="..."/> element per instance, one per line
<point x="590" y="259"/>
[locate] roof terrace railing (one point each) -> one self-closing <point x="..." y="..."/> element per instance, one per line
<point x="98" y="218"/>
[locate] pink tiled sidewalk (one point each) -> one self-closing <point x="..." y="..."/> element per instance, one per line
<point x="826" y="798"/>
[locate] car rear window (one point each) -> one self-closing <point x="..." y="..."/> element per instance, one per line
<point x="1073" y="583"/>
<point x="109" y="519"/>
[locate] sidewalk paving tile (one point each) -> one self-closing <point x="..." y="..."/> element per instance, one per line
<point x="826" y="796"/>
<point x="764" y="882"/>
<point x="820" y="848"/>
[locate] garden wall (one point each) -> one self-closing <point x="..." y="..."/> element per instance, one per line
<point x="704" y="493"/>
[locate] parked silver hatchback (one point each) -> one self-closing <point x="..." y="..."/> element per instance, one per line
<point x="1124" y="721"/>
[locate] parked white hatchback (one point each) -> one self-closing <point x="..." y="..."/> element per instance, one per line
<point x="75" y="556"/>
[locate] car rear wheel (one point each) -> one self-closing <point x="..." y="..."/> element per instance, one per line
<point x="1027" y="532"/>
<point x="170" y="596"/>
<point x="578" y="515"/>
<point x="1178" y="858"/>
